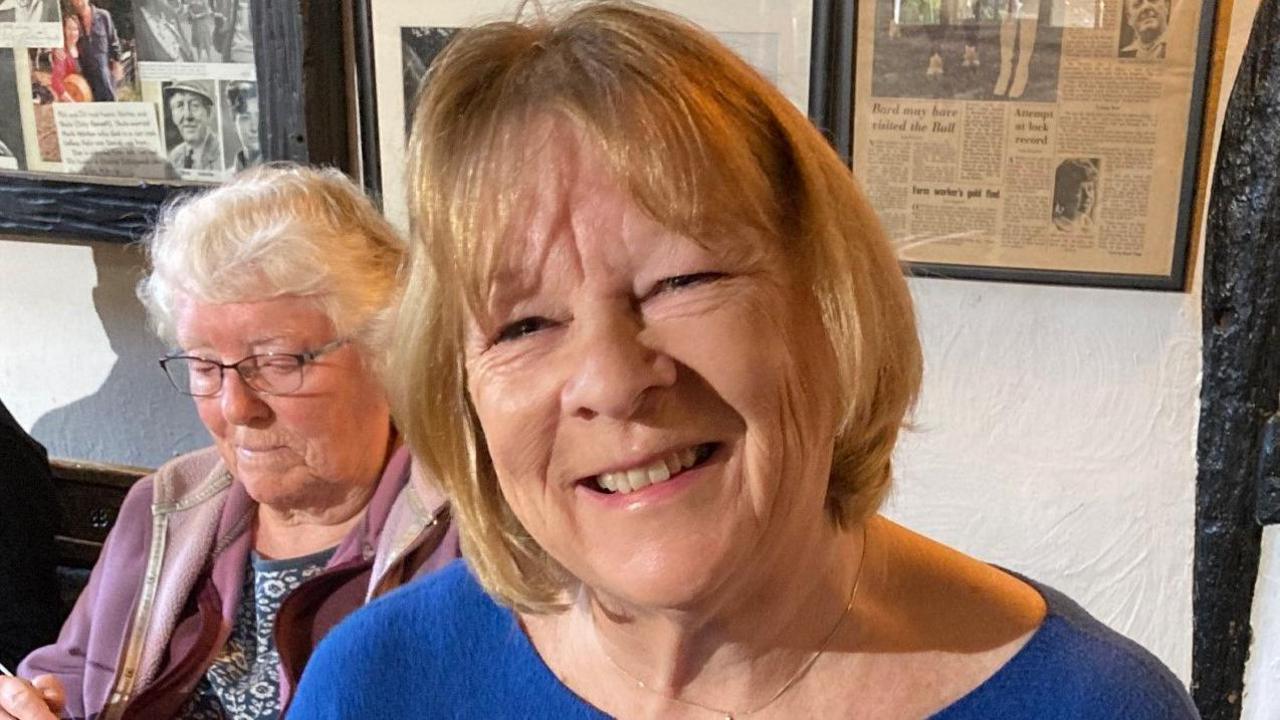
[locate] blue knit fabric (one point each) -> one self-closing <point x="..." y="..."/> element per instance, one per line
<point x="441" y="648"/>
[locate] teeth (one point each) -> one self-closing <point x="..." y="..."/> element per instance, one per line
<point x="628" y="481"/>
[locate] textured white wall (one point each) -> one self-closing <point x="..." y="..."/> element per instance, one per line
<point x="1056" y="437"/>
<point x="1262" y="676"/>
<point x="77" y="362"/>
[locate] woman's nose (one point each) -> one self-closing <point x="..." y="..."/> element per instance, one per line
<point x="241" y="404"/>
<point x="613" y="368"/>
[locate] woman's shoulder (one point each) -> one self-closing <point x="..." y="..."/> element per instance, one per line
<point x="438" y="647"/>
<point x="1015" y="648"/>
<point x="1074" y="666"/>
<point x="421" y="630"/>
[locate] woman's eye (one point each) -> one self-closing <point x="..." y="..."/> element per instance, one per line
<point x="679" y="282"/>
<point x="521" y="328"/>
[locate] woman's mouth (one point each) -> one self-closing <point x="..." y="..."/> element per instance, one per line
<point x="660" y="471"/>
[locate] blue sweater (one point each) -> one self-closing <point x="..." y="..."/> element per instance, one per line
<point x="441" y="648"/>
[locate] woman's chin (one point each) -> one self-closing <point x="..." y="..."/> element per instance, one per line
<point x="669" y="581"/>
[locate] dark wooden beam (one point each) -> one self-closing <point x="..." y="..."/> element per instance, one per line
<point x="1241" y="379"/>
<point x="325" y="61"/>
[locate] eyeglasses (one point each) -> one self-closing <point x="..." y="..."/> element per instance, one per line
<point x="267" y="373"/>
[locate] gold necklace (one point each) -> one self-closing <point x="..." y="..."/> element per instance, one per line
<point x="791" y="681"/>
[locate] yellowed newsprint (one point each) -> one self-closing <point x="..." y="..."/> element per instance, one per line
<point x="1033" y="134"/>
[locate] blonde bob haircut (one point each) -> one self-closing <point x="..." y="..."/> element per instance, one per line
<point x="704" y="145"/>
<point x="273" y="231"/>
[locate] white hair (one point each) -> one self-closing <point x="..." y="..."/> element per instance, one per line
<point x="273" y="231"/>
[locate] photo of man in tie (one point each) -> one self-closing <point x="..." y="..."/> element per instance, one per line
<point x="1146" y="22"/>
<point x="190" y="120"/>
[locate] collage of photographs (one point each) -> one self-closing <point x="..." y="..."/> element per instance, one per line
<point x="148" y="89"/>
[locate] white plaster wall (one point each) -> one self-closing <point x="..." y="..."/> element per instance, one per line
<point x="1262" y="676"/>
<point x="77" y="363"/>
<point x="1056" y="437"/>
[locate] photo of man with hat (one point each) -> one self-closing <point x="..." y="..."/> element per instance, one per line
<point x="242" y="106"/>
<point x="189" y="107"/>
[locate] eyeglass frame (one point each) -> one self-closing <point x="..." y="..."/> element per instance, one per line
<point x="303" y="358"/>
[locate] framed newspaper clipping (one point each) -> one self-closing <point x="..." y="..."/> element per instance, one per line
<point x="1033" y="140"/>
<point x="396" y="41"/>
<point x="107" y="107"/>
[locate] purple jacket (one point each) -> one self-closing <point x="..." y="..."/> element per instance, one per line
<point x="162" y="599"/>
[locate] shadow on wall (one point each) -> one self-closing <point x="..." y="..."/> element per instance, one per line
<point x="135" y="417"/>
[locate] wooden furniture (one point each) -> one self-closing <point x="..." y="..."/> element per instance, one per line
<point x="90" y="495"/>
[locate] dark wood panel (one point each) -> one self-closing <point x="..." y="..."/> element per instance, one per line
<point x="90" y="495"/>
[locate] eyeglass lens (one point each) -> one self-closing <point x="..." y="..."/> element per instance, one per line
<point x="275" y="374"/>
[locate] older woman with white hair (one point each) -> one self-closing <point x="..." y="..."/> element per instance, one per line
<point x="657" y="349"/>
<point x="227" y="565"/>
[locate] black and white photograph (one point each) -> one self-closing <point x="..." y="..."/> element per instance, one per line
<point x="966" y="50"/>
<point x="194" y="31"/>
<point x="1075" y="195"/>
<point x="29" y="11"/>
<point x="1144" y="29"/>
<point x="240" y="143"/>
<point x="12" y="153"/>
<point x="193" y="138"/>
<point x="419" y="46"/>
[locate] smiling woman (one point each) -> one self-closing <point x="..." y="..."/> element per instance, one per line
<point x="657" y="349"/>
<point x="228" y="564"/>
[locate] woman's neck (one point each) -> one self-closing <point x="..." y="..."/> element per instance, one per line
<point x="736" y="651"/>
<point x="287" y="533"/>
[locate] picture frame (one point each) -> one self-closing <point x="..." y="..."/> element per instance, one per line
<point x="289" y="73"/>
<point x="1104" y="139"/>
<point x="396" y="39"/>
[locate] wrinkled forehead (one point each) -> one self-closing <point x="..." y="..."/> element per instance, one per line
<point x="554" y="175"/>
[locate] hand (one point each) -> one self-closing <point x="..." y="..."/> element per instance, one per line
<point x="117" y="71"/>
<point x="39" y="699"/>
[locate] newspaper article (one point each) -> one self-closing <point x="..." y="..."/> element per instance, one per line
<point x="773" y="36"/>
<point x="1028" y="134"/>
<point x="149" y="89"/>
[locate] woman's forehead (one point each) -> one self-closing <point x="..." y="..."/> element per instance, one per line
<point x="552" y="182"/>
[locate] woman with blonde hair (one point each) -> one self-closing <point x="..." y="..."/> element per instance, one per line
<point x="228" y="564"/>
<point x="657" y="349"/>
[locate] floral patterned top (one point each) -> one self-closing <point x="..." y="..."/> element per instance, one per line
<point x="244" y="681"/>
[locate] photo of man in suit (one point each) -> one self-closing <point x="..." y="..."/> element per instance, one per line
<point x="99" y="48"/>
<point x="242" y="106"/>
<point x="189" y="107"/>
<point x="1146" y="23"/>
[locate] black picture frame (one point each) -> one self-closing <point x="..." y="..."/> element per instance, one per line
<point x="299" y="67"/>
<point x="840" y="113"/>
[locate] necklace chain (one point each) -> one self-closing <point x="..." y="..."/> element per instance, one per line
<point x="791" y="681"/>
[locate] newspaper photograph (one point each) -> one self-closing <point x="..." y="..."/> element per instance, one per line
<point x="30" y="23"/>
<point x="406" y="36"/>
<point x="1028" y="134"/>
<point x="148" y="89"/>
<point x="12" y="152"/>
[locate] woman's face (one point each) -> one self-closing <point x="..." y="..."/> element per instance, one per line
<point x="70" y="32"/>
<point x="305" y="450"/>
<point x="616" y="353"/>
